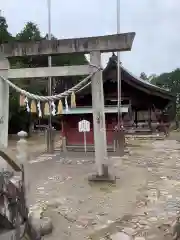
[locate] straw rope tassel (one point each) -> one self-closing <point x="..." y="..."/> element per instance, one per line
<point x="39" y="109"/>
<point x="60" y="107"/>
<point x="73" y="100"/>
<point x="22" y="100"/>
<point x="33" y="106"/>
<point x="46" y="108"/>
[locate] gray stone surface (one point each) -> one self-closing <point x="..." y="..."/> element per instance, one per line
<point x="120" y="236"/>
<point x="46" y="226"/>
<point x="49" y="71"/>
<point x="41" y="224"/>
<point x="111" y="43"/>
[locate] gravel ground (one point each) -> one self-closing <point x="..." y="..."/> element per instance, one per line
<point x="143" y="203"/>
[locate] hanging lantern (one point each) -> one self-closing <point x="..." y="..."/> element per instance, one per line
<point x="73" y="100"/>
<point x="22" y="101"/>
<point x="33" y="106"/>
<point x="60" y="107"/>
<point x="46" y="109"/>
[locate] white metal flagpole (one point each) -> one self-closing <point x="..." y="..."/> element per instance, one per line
<point x="118" y="65"/>
<point x="50" y="140"/>
<point x="121" y="136"/>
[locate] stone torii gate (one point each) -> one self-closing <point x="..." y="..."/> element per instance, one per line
<point x="91" y="45"/>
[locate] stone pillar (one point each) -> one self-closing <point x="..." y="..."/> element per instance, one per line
<point x="4" y="102"/>
<point x="22" y="156"/>
<point x="101" y="158"/>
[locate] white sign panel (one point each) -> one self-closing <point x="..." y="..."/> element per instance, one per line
<point x="84" y="126"/>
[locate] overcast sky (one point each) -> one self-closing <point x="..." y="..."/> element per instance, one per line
<point x="156" y="46"/>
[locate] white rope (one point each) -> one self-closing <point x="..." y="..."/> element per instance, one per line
<point x="85" y="86"/>
<point x="54" y="97"/>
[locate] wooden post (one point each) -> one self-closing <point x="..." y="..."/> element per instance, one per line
<point x="64" y="148"/>
<point x="99" y="120"/>
<point x="4" y="102"/>
<point x="22" y="156"/>
<point x="149" y="118"/>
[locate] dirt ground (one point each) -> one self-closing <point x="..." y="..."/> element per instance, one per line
<point x="143" y="203"/>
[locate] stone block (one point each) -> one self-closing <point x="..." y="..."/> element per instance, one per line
<point x="120" y="236"/>
<point x="104" y="178"/>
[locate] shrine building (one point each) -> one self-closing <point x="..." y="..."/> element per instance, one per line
<point x="139" y="106"/>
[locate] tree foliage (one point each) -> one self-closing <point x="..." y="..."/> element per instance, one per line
<point x="143" y="76"/>
<point x="18" y="117"/>
<point x="171" y="82"/>
<point x="5" y="36"/>
<point x="30" y="32"/>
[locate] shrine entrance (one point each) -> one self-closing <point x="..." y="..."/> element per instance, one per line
<point x="92" y="45"/>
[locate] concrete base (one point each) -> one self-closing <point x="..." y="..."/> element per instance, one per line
<point x="103" y="178"/>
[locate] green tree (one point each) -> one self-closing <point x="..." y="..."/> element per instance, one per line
<point x="5" y="36"/>
<point x="152" y="77"/>
<point x="171" y="82"/>
<point x="31" y="32"/>
<point x="144" y="76"/>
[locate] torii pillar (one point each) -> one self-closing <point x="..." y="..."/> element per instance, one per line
<point x="4" y="108"/>
<point x="4" y="102"/>
<point x="99" y="125"/>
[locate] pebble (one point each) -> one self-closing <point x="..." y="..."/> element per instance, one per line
<point x="42" y="225"/>
<point x="109" y="222"/>
<point x="152" y="219"/>
<point x="102" y="213"/>
<point x="139" y="226"/>
<point x="163" y="177"/>
<point x="46" y="226"/>
<point x="143" y="222"/>
<point x="139" y="238"/>
<point x="129" y="231"/>
<point x="134" y="220"/>
<point x="85" y="221"/>
<point x="55" y="203"/>
<point x="40" y="188"/>
<point x="120" y="236"/>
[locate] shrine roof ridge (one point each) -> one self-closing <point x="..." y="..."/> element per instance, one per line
<point x="137" y="81"/>
<point x="134" y="81"/>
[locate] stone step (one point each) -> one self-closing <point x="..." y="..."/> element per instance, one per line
<point x="90" y="148"/>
